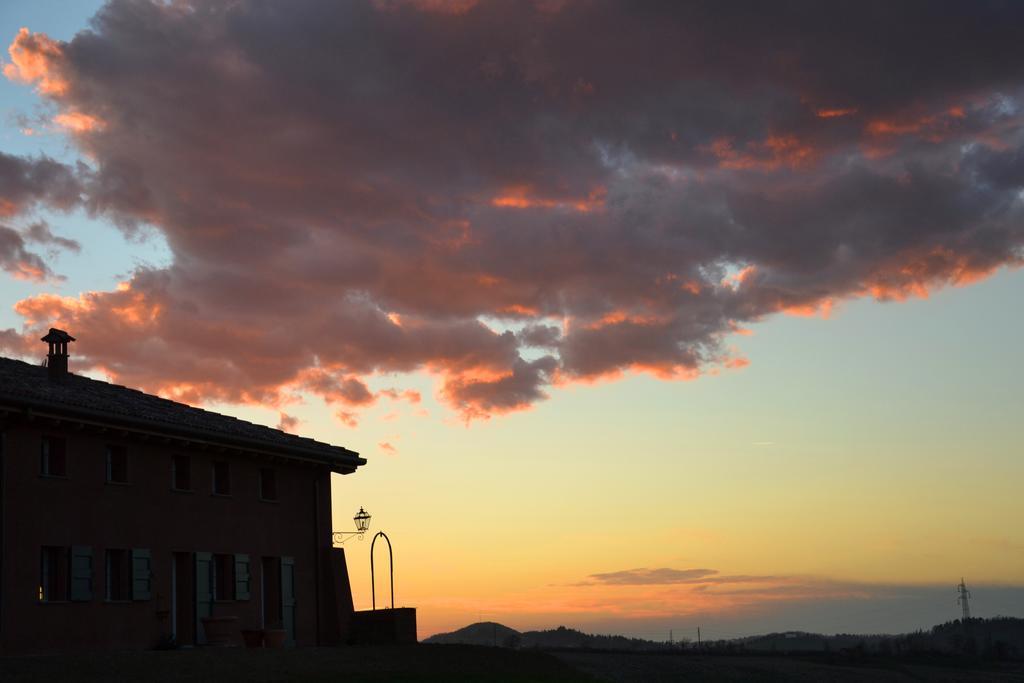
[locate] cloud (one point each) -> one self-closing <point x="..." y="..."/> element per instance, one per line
<point x="350" y="391"/>
<point x="667" y="576"/>
<point x="288" y="423"/>
<point x="40" y="233"/>
<point x="409" y="395"/>
<point x="347" y="418"/>
<point x="353" y="189"/>
<point x="639" y="577"/>
<point x="480" y="397"/>
<point x="17" y="261"/>
<point x="27" y="181"/>
<point x="35" y="58"/>
<point x="13" y="343"/>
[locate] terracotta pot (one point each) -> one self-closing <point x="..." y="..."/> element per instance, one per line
<point x="252" y="637"/>
<point x="220" y="631"/>
<point x="274" y="637"/>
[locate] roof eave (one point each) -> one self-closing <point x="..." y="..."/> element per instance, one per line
<point x="344" y="462"/>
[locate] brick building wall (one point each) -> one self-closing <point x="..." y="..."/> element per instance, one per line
<point x="67" y="521"/>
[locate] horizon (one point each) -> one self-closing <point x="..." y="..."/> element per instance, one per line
<point x="633" y="341"/>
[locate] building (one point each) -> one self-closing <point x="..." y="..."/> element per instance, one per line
<point x="126" y="518"/>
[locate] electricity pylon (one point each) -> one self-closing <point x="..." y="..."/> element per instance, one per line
<point x="964" y="595"/>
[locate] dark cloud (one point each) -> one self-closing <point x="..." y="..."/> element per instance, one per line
<point x="27" y="181"/>
<point x="374" y="187"/>
<point x="518" y="389"/>
<point x="667" y="576"/>
<point x="541" y="336"/>
<point x="639" y="577"/>
<point x="16" y="260"/>
<point x="15" y="344"/>
<point x="40" y="233"/>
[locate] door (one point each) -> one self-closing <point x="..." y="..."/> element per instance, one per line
<point x="288" y="597"/>
<point x="182" y="617"/>
<point x="270" y="592"/>
<point x="204" y="593"/>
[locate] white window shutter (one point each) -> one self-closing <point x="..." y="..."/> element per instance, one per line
<point x="241" y="577"/>
<point x="142" y="574"/>
<point x="81" y="573"/>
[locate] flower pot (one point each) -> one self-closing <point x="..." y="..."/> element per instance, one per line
<point x="274" y="637"/>
<point x="252" y="637"/>
<point x="220" y="631"/>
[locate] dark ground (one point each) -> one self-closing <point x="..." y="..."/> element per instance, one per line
<point x="659" y="668"/>
<point x="408" y="664"/>
<point x="467" y="663"/>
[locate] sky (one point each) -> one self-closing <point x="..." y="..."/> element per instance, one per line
<point x="646" y="316"/>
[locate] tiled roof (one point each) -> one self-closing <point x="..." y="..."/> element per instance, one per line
<point x="28" y="386"/>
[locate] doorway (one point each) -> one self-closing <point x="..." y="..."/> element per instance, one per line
<point x="182" y="590"/>
<point x="277" y="581"/>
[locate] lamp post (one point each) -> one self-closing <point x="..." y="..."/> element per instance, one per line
<point x="362" y="520"/>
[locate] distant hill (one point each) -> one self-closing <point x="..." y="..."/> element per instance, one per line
<point x="998" y="638"/>
<point x="483" y="633"/>
<point x="490" y="633"/>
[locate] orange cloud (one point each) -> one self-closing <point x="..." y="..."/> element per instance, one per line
<point x="36" y="58"/>
<point x="822" y="308"/>
<point x="619" y="317"/>
<point x="834" y="113"/>
<point x="918" y="274"/>
<point x="77" y="122"/>
<point x="664" y="593"/>
<point x="347" y="418"/>
<point x="523" y="197"/>
<point x="409" y="395"/>
<point x="517" y="311"/>
<point x="932" y="127"/>
<point x="770" y="154"/>
<point x="438" y="6"/>
<point x="288" y="423"/>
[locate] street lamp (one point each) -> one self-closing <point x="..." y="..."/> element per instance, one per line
<point x="362" y="520"/>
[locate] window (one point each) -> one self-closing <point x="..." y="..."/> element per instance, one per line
<point x="53" y="461"/>
<point x="117" y="465"/>
<point x="129" y="574"/>
<point x="222" y="478"/>
<point x="223" y="577"/>
<point x="65" y="574"/>
<point x="268" y="484"/>
<point x="181" y="473"/>
<point x="53" y="574"/>
<point x="117" y="572"/>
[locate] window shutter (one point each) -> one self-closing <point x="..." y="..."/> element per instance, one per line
<point x="81" y="573"/>
<point x="241" y="577"/>
<point x="204" y="592"/>
<point x="142" y="574"/>
<point x="288" y="597"/>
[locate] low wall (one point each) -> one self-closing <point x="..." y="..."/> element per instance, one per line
<point x="384" y="626"/>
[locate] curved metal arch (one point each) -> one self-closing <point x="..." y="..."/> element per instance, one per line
<point x="391" y="562"/>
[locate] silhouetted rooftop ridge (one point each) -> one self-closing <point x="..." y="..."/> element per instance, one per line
<point x="26" y="386"/>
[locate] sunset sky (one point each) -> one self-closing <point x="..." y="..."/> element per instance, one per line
<point x="646" y="315"/>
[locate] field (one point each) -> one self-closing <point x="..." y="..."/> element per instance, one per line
<point x="409" y="664"/>
<point x="466" y="664"/>
<point x="657" y="668"/>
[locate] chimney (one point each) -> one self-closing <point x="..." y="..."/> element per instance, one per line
<point x="57" y="358"/>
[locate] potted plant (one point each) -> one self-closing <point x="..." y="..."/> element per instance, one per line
<point x="253" y="637"/>
<point x="274" y="635"/>
<point x="220" y="631"/>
